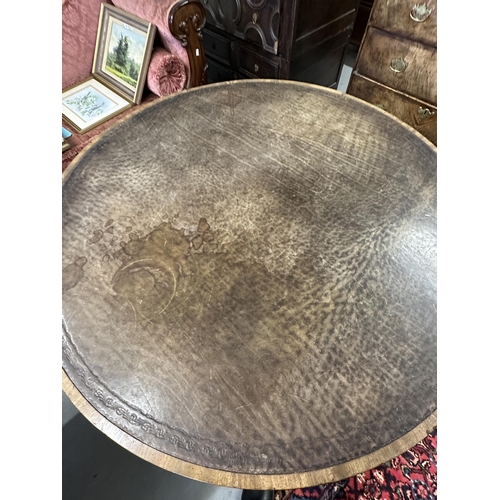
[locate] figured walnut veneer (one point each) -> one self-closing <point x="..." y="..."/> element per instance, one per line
<point x="249" y="283"/>
<point x="396" y="67"/>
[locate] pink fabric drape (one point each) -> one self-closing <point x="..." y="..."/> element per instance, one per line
<point x="80" y="20"/>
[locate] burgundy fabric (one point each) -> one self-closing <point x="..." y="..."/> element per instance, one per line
<point x="166" y="73"/>
<point x="157" y="12"/>
<point x="80" y="20"/>
<point x="410" y="476"/>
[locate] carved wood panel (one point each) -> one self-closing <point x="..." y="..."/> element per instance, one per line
<point x="256" y="21"/>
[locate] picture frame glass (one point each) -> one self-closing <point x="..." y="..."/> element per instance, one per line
<point x="124" y="52"/>
<point x="89" y="103"/>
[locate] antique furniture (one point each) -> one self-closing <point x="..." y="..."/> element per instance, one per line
<point x="396" y="64"/>
<point x="298" y="39"/>
<point x="249" y="284"/>
<point x="362" y="16"/>
<point x="178" y="23"/>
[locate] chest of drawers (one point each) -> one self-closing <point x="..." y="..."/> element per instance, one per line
<point x="287" y="39"/>
<point x="397" y="63"/>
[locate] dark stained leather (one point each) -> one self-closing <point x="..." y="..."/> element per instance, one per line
<point x="249" y="277"/>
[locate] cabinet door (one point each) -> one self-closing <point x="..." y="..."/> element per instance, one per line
<point x="256" y="21"/>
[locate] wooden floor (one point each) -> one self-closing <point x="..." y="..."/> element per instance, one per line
<point x="350" y="58"/>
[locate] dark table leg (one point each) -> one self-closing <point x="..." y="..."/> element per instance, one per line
<point x="257" y="495"/>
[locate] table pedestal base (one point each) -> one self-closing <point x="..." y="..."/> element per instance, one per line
<point x="257" y="495"/>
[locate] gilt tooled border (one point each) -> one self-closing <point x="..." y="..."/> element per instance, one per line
<point x="225" y="456"/>
<point x="153" y="433"/>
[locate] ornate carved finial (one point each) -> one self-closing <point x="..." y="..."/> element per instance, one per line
<point x="186" y="20"/>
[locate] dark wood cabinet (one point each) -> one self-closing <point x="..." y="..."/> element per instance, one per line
<point x="396" y="67"/>
<point x="286" y="39"/>
<point x="364" y="11"/>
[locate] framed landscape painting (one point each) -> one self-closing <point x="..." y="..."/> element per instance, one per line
<point x="123" y="51"/>
<point x="90" y="103"/>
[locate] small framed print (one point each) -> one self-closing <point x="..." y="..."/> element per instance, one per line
<point x="123" y="51"/>
<point x="90" y="103"/>
<point x="65" y="145"/>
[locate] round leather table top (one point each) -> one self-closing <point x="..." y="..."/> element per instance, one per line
<point x="249" y="280"/>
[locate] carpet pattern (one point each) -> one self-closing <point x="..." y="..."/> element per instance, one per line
<point x="410" y="476"/>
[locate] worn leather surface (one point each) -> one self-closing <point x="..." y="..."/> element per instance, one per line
<point x="249" y="277"/>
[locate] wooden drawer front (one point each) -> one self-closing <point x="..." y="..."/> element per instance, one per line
<point x="218" y="73"/>
<point x="419" y="115"/>
<point x="380" y="51"/>
<point x="256" y="21"/>
<point x="254" y="66"/>
<point x="394" y="16"/>
<point x="216" y="47"/>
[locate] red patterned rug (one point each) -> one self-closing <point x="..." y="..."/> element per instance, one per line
<point x="410" y="476"/>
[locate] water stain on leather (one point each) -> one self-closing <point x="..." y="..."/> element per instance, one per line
<point x="98" y="234"/>
<point x="159" y="267"/>
<point x="233" y="99"/>
<point x="203" y="225"/>
<point x="151" y="269"/>
<point x="197" y="241"/>
<point x="73" y="274"/>
<point x="166" y="277"/>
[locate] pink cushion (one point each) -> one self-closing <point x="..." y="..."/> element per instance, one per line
<point x="156" y="12"/>
<point x="166" y="73"/>
<point x="80" y="20"/>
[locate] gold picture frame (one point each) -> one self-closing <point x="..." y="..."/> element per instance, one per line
<point x="90" y="103"/>
<point x="123" y="51"/>
<point x="65" y="145"/>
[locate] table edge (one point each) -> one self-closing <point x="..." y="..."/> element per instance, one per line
<point x="72" y="166"/>
<point x="240" y="480"/>
<point x="233" y="479"/>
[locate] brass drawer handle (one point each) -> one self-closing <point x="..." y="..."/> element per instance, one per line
<point x="425" y="112"/>
<point x="420" y="12"/>
<point x="398" y="65"/>
<point x="255" y="18"/>
<point x="256" y="68"/>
